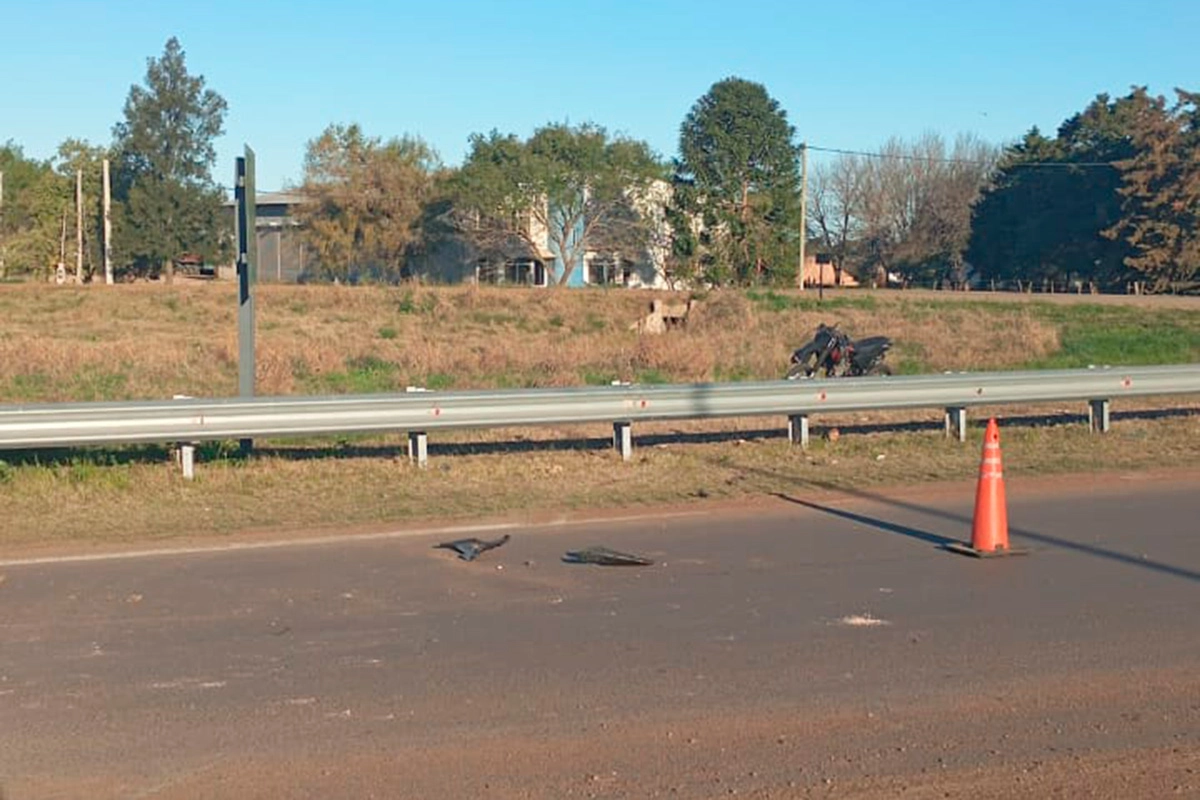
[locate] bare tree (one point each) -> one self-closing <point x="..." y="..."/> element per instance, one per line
<point x="835" y="210"/>
<point x="915" y="211"/>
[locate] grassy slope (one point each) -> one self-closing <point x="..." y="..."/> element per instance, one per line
<point x="133" y="342"/>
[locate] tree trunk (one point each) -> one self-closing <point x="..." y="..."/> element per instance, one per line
<point x="169" y="270"/>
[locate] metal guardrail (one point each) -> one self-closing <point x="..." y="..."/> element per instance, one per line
<point x="193" y="420"/>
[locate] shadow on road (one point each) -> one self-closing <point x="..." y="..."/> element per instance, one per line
<point x="874" y="522"/>
<point x="1015" y="532"/>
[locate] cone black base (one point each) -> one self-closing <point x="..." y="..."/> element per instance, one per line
<point x="967" y="550"/>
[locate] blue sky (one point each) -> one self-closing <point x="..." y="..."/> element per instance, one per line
<point x="849" y="74"/>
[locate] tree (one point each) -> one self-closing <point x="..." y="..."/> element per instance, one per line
<point x="1050" y="200"/>
<point x="1161" y="190"/>
<point x="34" y="211"/>
<point x="738" y="170"/>
<point x="563" y="193"/>
<point x="163" y="175"/>
<point x="365" y="201"/>
<point x="916" y="205"/>
<point x="836" y="207"/>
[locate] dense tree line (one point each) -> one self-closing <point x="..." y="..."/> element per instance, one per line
<point x="165" y="202"/>
<point x="1113" y="196"/>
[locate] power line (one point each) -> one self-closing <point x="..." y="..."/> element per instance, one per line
<point x="970" y="161"/>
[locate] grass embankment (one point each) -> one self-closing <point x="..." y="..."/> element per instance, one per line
<point x="152" y="342"/>
<point x="61" y="344"/>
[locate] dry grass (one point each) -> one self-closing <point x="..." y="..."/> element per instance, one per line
<point x="144" y="341"/>
<point x="141" y="341"/>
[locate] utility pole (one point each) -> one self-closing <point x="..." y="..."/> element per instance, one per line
<point x="803" y="206"/>
<point x="106" y="189"/>
<point x="3" y="272"/>
<point x="79" y="226"/>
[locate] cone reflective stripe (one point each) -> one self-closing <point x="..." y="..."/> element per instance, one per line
<point x="989" y="529"/>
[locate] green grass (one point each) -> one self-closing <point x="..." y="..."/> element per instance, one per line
<point x="773" y="301"/>
<point x="648" y="376"/>
<point x="495" y="319"/>
<point x="594" y="378"/>
<point x="907" y="358"/>
<point x="408" y="304"/>
<point x="735" y="374"/>
<point x="1102" y="335"/>
<point x="592" y="323"/>
<point x="29" y="387"/>
<point x="363" y="375"/>
<point x="97" y="385"/>
<point x="439" y="380"/>
<point x="1090" y="334"/>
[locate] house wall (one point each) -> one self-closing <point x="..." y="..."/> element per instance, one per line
<point x="282" y="254"/>
<point x="814" y="275"/>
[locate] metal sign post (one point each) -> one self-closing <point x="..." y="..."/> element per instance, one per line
<point x="247" y="271"/>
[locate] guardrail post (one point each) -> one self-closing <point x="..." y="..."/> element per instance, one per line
<point x="185" y="452"/>
<point x="187" y="460"/>
<point x="418" y="448"/>
<point x="798" y="429"/>
<point x="1099" y="419"/>
<point x="956" y="423"/>
<point x="623" y="439"/>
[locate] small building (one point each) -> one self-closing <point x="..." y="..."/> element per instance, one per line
<point x="282" y="255"/>
<point x="819" y="271"/>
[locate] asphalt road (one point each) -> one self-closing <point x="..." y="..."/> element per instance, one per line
<point x="821" y="648"/>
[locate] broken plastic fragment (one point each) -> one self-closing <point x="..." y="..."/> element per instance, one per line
<point x="469" y="549"/>
<point x="606" y="558"/>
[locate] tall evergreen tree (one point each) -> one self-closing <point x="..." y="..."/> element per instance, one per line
<point x="738" y="170"/>
<point x="165" y="154"/>
<point x="1161" y="191"/>
<point x="1043" y="217"/>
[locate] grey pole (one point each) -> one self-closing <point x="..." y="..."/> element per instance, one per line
<point x="247" y="263"/>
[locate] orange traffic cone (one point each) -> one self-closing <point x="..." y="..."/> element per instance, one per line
<point x="989" y="532"/>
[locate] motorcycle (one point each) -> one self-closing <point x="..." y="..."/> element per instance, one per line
<point x="835" y="353"/>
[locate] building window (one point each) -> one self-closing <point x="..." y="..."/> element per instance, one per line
<point x="602" y="271"/>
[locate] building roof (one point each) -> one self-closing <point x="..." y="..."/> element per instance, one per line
<point x="292" y="198"/>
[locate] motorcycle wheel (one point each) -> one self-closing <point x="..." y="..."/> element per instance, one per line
<point x="797" y="371"/>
